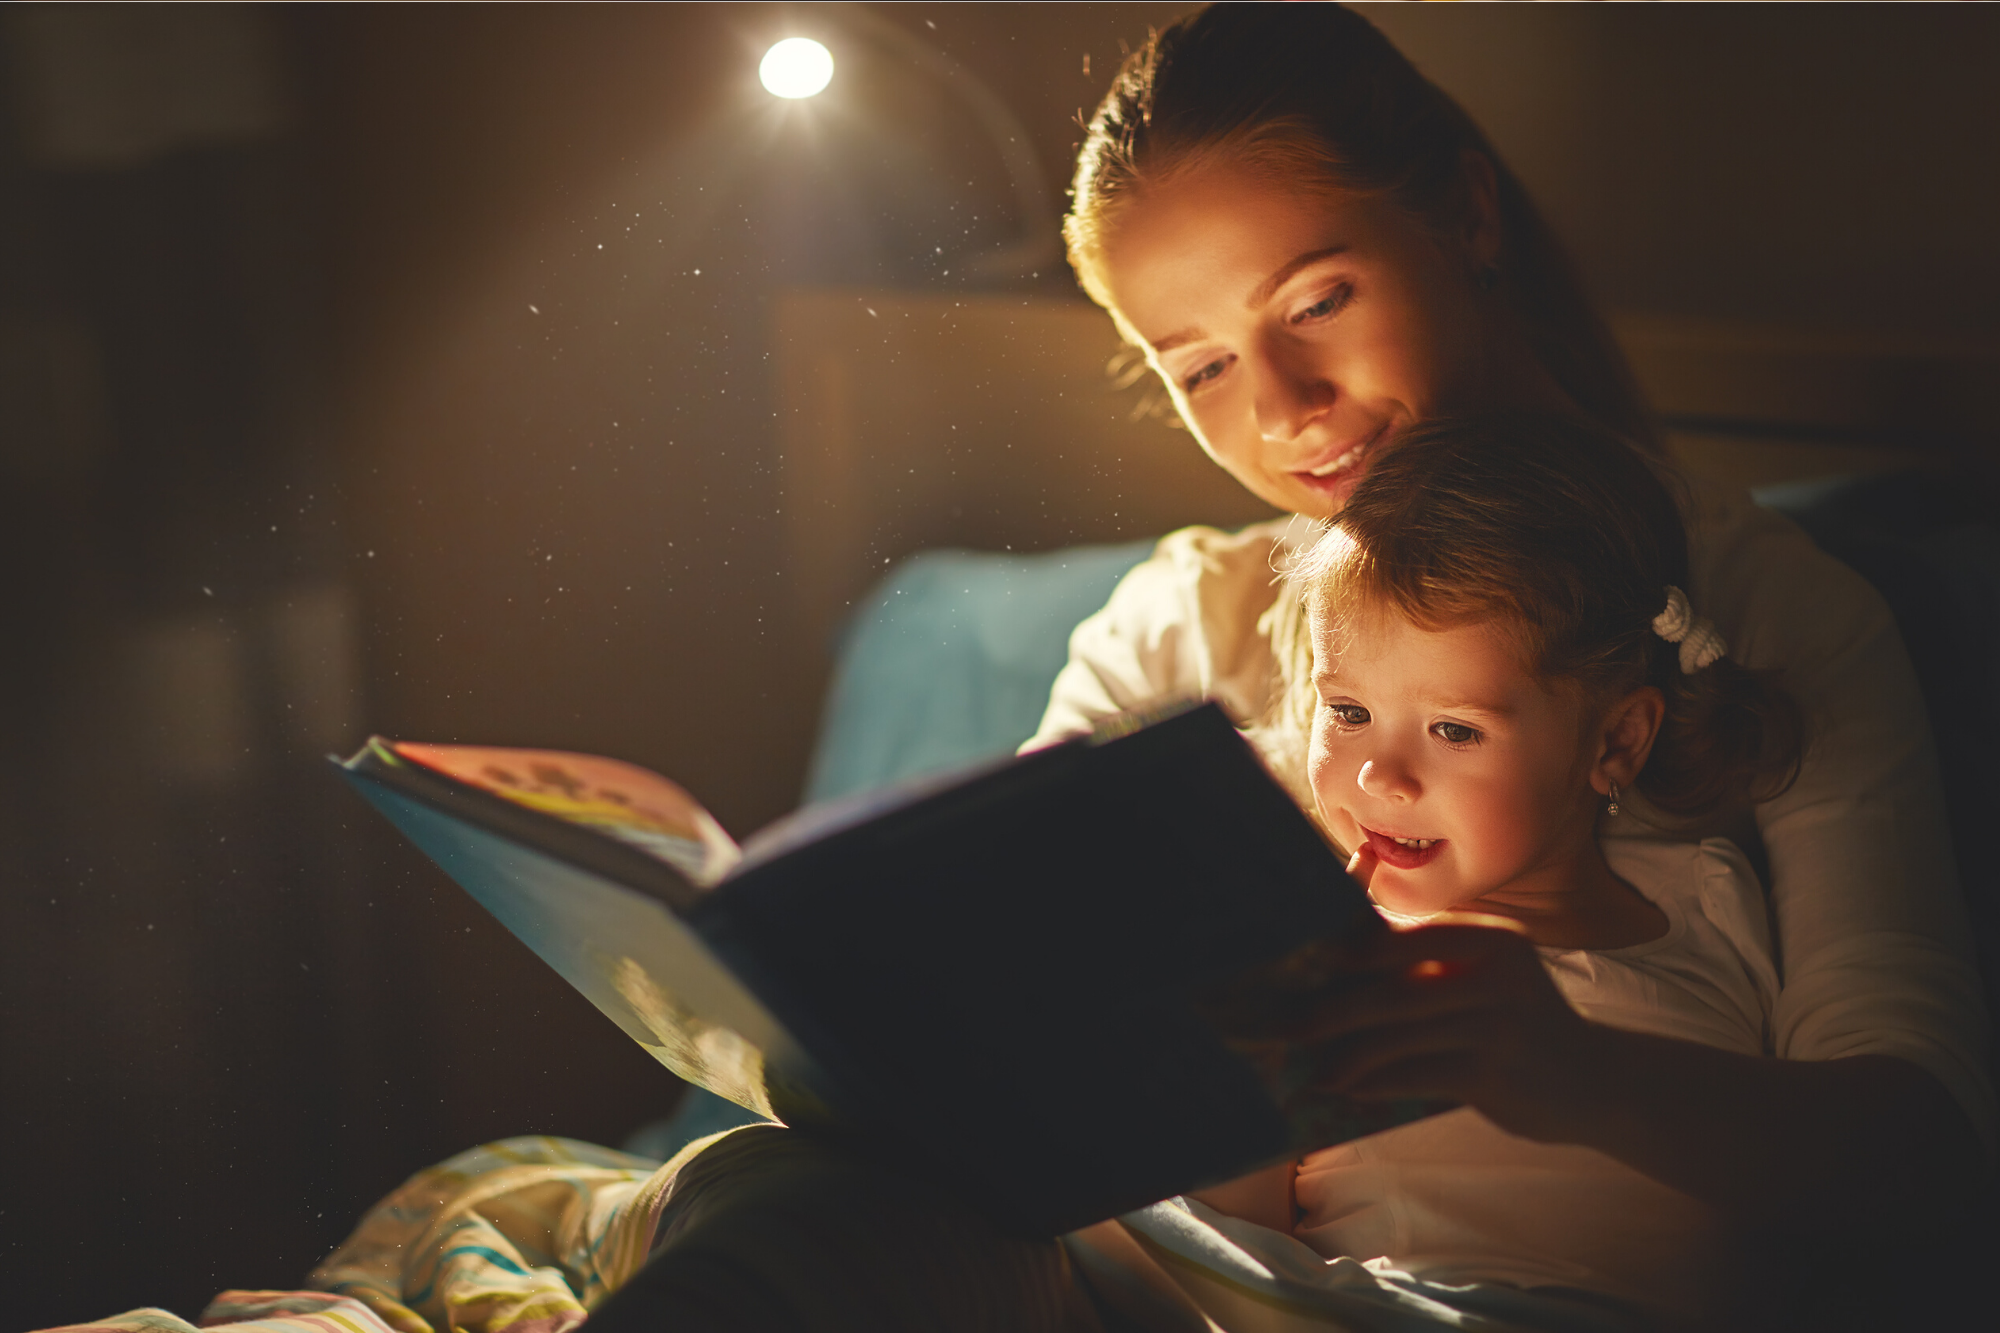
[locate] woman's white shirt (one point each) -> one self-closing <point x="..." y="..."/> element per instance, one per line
<point x="1871" y="942"/>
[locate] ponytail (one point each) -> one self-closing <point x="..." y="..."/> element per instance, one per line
<point x="1731" y="737"/>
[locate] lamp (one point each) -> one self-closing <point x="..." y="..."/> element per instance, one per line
<point x="796" y="68"/>
<point x="799" y="67"/>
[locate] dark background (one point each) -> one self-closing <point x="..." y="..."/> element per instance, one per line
<point x="356" y="375"/>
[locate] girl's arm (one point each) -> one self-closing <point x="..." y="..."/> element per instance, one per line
<point x="1469" y="1013"/>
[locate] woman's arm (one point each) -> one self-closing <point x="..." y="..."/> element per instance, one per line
<point x="1268" y="1197"/>
<point x="1872" y="939"/>
<point x="1468" y="1012"/>
<point x="1183" y="622"/>
<point x="1818" y="1143"/>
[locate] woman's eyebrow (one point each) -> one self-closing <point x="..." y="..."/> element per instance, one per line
<point x="1285" y="273"/>
<point x="1268" y="286"/>
<point x="1187" y="335"/>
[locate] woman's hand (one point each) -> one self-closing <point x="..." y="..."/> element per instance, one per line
<point x="1464" y="1009"/>
<point x="1458" y="1008"/>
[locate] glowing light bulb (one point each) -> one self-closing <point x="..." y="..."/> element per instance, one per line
<point x="796" y="67"/>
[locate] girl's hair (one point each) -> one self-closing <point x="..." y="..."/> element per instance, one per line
<point x="1565" y="538"/>
<point x="1314" y="96"/>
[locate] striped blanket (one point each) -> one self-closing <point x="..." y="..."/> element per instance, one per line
<point x="528" y="1235"/>
<point x="525" y="1235"/>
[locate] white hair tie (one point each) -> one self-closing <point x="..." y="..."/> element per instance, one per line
<point x="1697" y="636"/>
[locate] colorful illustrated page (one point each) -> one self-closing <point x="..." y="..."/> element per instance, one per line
<point x="621" y="800"/>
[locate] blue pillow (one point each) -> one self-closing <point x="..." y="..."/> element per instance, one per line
<point x="949" y="660"/>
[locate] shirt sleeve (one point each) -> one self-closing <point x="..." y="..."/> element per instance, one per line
<point x="1872" y="934"/>
<point x="1181" y="623"/>
<point x="1127" y="654"/>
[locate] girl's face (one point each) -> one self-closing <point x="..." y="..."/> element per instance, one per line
<point x="1440" y="750"/>
<point x="1296" y="330"/>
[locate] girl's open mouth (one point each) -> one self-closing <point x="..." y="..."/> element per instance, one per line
<point x="1404" y="853"/>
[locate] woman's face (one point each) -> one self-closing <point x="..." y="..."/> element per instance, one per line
<point x="1295" y="330"/>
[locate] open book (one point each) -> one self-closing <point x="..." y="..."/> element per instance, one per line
<point x="999" y="975"/>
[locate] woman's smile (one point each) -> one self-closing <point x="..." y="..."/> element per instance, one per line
<point x="1294" y="329"/>
<point x="1336" y="478"/>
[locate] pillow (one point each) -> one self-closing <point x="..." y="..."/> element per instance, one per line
<point x="950" y="658"/>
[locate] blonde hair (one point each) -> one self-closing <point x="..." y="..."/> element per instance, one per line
<point x="1565" y="538"/>
<point x="1314" y="96"/>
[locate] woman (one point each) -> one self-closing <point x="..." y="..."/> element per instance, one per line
<point x="1314" y="247"/>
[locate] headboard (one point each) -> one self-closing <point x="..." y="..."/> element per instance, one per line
<point x="1761" y="404"/>
<point x="914" y="420"/>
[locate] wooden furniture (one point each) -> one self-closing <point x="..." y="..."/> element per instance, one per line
<point x="997" y="421"/>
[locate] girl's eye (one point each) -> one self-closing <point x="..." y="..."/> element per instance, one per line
<point x="1348" y="715"/>
<point x="1208" y="372"/>
<point x="1330" y="304"/>
<point x="1455" y="733"/>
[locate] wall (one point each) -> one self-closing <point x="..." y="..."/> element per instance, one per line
<point x="1823" y="165"/>
<point x="560" y="234"/>
<point x="524" y="472"/>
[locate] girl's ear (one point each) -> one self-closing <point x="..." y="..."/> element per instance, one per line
<point x="1630" y="726"/>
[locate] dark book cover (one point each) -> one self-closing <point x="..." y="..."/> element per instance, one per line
<point x="1006" y="978"/>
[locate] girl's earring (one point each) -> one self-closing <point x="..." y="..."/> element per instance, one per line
<point x="1612" y="809"/>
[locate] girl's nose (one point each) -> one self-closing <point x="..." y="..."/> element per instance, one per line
<point x="1387" y="780"/>
<point x="1289" y="399"/>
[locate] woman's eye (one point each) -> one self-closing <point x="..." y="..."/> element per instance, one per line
<point x="1206" y="373"/>
<point x="1330" y="304"/>
<point x="1349" y="715"/>
<point x="1454" y="733"/>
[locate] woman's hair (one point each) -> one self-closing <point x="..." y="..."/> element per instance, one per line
<point x="1315" y="97"/>
<point x="1565" y="538"/>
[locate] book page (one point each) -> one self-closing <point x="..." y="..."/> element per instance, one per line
<point x="809" y="824"/>
<point x="621" y="800"/>
<point x="645" y="967"/>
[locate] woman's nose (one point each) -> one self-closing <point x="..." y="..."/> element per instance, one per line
<point x="1288" y="399"/>
<point x="1387" y="780"/>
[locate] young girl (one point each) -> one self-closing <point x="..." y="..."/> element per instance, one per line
<point x="1503" y="663"/>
